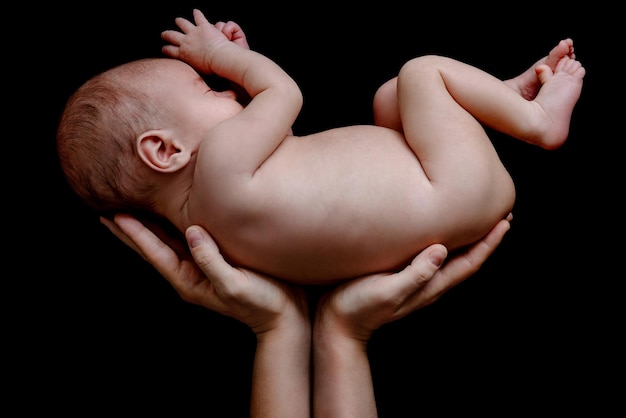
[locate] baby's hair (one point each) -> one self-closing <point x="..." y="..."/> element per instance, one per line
<point x="96" y="139"/>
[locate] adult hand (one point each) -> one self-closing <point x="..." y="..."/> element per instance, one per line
<point x="204" y="278"/>
<point x="346" y="318"/>
<point x="276" y="312"/>
<point x="360" y="306"/>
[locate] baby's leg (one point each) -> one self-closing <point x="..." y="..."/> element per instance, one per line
<point x="444" y="104"/>
<point x="527" y="85"/>
<point x="543" y="121"/>
<point x="469" y="189"/>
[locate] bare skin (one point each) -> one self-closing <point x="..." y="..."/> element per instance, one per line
<point x="528" y="83"/>
<point x="336" y="204"/>
<point x="355" y="200"/>
<point x="306" y="211"/>
<point x="278" y="315"/>
<point x="557" y="97"/>
<point x="300" y="254"/>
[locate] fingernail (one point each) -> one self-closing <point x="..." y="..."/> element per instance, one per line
<point x="194" y="237"/>
<point x="437" y="257"/>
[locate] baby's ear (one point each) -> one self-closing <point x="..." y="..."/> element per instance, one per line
<point x="161" y="152"/>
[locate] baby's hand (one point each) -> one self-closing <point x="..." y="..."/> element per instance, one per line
<point x="195" y="43"/>
<point x="233" y="32"/>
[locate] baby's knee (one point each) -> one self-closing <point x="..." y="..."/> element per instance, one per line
<point x="423" y="63"/>
<point x="386" y="94"/>
<point x="385" y="106"/>
<point x="421" y="72"/>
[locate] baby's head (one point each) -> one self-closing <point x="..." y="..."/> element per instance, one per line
<point x="123" y="131"/>
<point x="96" y="137"/>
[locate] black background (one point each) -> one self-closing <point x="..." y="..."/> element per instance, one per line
<point x="96" y="329"/>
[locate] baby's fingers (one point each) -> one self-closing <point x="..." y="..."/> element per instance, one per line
<point x="234" y="33"/>
<point x="172" y="36"/>
<point x="185" y="25"/>
<point x="199" y="18"/>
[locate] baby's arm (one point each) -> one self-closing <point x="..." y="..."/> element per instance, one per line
<point x="276" y="98"/>
<point x="236" y="35"/>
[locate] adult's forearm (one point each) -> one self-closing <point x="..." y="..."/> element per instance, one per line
<point x="281" y="375"/>
<point x="342" y="386"/>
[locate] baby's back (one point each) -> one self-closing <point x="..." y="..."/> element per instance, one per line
<point x="336" y="205"/>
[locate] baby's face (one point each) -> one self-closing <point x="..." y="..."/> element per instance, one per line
<point x="197" y="106"/>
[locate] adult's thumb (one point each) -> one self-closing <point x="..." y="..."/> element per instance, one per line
<point x="195" y="236"/>
<point x="206" y="253"/>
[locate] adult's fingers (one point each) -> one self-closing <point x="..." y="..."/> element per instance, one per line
<point x="461" y="266"/>
<point x="119" y="234"/>
<point x="149" y="246"/>
<point x="413" y="278"/>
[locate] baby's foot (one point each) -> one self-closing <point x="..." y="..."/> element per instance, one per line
<point x="559" y="92"/>
<point x="528" y="84"/>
